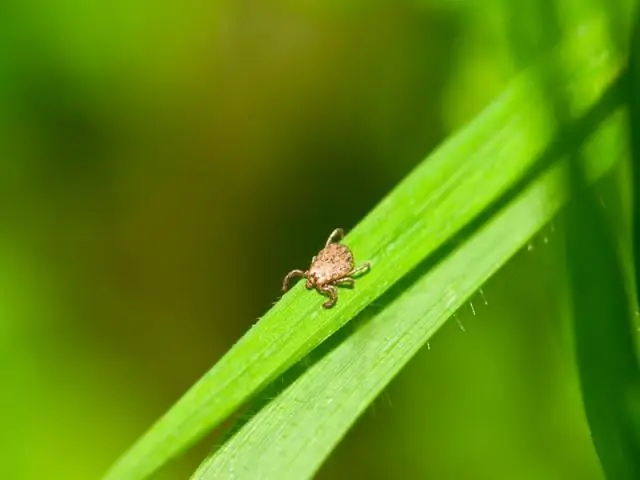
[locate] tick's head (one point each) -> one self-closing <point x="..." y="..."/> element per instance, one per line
<point x="312" y="279"/>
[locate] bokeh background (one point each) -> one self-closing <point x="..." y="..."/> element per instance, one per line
<point x="164" y="164"/>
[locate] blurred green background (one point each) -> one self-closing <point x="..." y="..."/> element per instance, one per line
<point x="164" y="165"/>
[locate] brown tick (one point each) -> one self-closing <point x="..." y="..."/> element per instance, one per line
<point x="332" y="266"/>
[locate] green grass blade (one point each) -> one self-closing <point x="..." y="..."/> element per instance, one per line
<point x="604" y="337"/>
<point x="601" y="300"/>
<point x="633" y="96"/>
<point x="293" y="434"/>
<point x="452" y="188"/>
<point x="602" y="303"/>
<point x="633" y="103"/>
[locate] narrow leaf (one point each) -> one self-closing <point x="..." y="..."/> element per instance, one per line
<point x="291" y="436"/>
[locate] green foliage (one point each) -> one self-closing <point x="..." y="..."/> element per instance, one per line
<point x="433" y="241"/>
<point x="293" y="434"/>
<point x="602" y="315"/>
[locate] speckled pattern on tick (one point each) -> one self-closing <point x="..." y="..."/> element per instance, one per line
<point x="334" y="265"/>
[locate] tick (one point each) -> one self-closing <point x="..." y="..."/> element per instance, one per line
<point x="332" y="266"/>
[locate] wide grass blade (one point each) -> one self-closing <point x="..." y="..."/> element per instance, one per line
<point x="293" y="434"/>
<point x="454" y="191"/>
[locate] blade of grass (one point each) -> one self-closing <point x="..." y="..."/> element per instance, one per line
<point x="633" y="102"/>
<point x="633" y="92"/>
<point x="456" y="185"/>
<point x="293" y="434"/>
<point x="602" y="307"/>
<point x="604" y="338"/>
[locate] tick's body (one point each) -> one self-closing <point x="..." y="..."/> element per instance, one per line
<point x="335" y="261"/>
<point x="334" y="265"/>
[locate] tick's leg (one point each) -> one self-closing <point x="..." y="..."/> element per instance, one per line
<point x="290" y="275"/>
<point x="346" y="282"/>
<point x="333" y="295"/>
<point x="360" y="270"/>
<point x="338" y="232"/>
